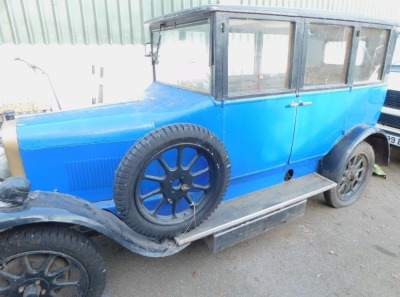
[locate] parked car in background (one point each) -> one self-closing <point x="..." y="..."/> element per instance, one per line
<point x="389" y="120"/>
<point x="252" y="111"/>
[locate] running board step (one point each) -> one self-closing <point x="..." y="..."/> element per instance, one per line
<point x="263" y="210"/>
<point x="231" y="236"/>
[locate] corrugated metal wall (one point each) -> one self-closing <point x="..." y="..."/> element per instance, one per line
<point x="121" y="21"/>
<point x="82" y="21"/>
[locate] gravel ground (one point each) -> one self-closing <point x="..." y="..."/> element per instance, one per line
<point x="354" y="251"/>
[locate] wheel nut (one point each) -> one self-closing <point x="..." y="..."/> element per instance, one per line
<point x="185" y="187"/>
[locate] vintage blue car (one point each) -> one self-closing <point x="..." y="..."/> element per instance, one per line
<point x="267" y="106"/>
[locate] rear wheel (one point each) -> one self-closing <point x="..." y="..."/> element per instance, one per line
<point x="353" y="178"/>
<point x="49" y="261"/>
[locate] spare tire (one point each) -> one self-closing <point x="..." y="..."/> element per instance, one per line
<point x="171" y="180"/>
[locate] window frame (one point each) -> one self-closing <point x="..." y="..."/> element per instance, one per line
<point x="391" y="41"/>
<point x="219" y="36"/>
<point x="297" y="24"/>
<point x="352" y="53"/>
<point x="206" y="19"/>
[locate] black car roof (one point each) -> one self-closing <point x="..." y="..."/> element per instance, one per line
<point x="262" y="10"/>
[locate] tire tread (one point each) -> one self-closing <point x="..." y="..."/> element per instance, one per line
<point x="135" y="159"/>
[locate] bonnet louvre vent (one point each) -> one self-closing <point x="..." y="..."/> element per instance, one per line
<point x="92" y="173"/>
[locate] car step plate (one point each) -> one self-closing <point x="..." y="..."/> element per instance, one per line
<point x="252" y="207"/>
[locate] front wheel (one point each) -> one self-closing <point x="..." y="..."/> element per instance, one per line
<point x="353" y="178"/>
<point x="49" y="261"/>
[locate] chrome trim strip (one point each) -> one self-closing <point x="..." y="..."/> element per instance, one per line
<point x="11" y="147"/>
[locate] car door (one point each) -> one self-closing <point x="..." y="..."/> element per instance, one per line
<point x="259" y="109"/>
<point x="324" y="92"/>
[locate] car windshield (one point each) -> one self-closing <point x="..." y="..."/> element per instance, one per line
<point x="182" y="56"/>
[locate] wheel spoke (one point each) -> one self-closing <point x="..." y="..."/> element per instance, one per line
<point x="8" y="276"/>
<point x="346" y="189"/>
<point x="360" y="173"/>
<point x="158" y="206"/>
<point x="200" y="172"/>
<point x="352" y="161"/>
<point x="354" y="184"/>
<point x="179" y="160"/>
<point x="189" y="200"/>
<point x="59" y="285"/>
<point x="164" y="165"/>
<point x="359" y="162"/>
<point x="201" y="187"/>
<point x="46" y="265"/>
<point x="174" y="209"/>
<point x="60" y="272"/>
<point x="341" y="187"/>
<point x="195" y="158"/>
<point x="154" y="178"/>
<point x="27" y="265"/>
<point x="150" y="194"/>
<point x="351" y="186"/>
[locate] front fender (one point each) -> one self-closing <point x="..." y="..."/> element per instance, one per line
<point x="337" y="157"/>
<point x="49" y="207"/>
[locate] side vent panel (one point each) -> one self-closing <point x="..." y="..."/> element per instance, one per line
<point x="92" y="173"/>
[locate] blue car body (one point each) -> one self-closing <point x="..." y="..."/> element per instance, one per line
<point x="277" y="120"/>
<point x="78" y="152"/>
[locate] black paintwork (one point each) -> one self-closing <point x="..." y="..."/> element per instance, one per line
<point x="49" y="207"/>
<point x="336" y="159"/>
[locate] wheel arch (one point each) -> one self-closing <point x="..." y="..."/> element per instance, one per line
<point x="374" y="136"/>
<point x="47" y="208"/>
<point x="381" y="147"/>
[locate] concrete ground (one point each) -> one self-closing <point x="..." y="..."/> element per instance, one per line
<point x="354" y="251"/>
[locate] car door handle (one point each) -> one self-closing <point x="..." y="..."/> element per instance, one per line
<point x="301" y="103"/>
<point x="294" y="104"/>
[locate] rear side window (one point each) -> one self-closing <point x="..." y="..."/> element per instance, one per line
<point x="370" y="55"/>
<point x="259" y="56"/>
<point x="328" y="54"/>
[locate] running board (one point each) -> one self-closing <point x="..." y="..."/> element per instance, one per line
<point x="247" y="216"/>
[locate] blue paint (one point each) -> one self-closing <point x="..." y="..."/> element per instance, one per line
<point x="78" y="152"/>
<point x="365" y="105"/>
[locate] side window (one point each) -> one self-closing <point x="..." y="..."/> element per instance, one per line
<point x="259" y="56"/>
<point x="370" y="55"/>
<point x="183" y="58"/>
<point x="328" y="53"/>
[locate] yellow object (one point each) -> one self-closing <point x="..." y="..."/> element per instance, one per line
<point x="11" y="147"/>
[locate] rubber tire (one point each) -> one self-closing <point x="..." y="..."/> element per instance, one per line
<point x="61" y="240"/>
<point x="135" y="161"/>
<point x="332" y="197"/>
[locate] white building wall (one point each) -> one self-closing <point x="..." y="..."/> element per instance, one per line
<point x="67" y="41"/>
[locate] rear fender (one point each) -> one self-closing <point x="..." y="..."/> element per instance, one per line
<point x="49" y="207"/>
<point x="336" y="159"/>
